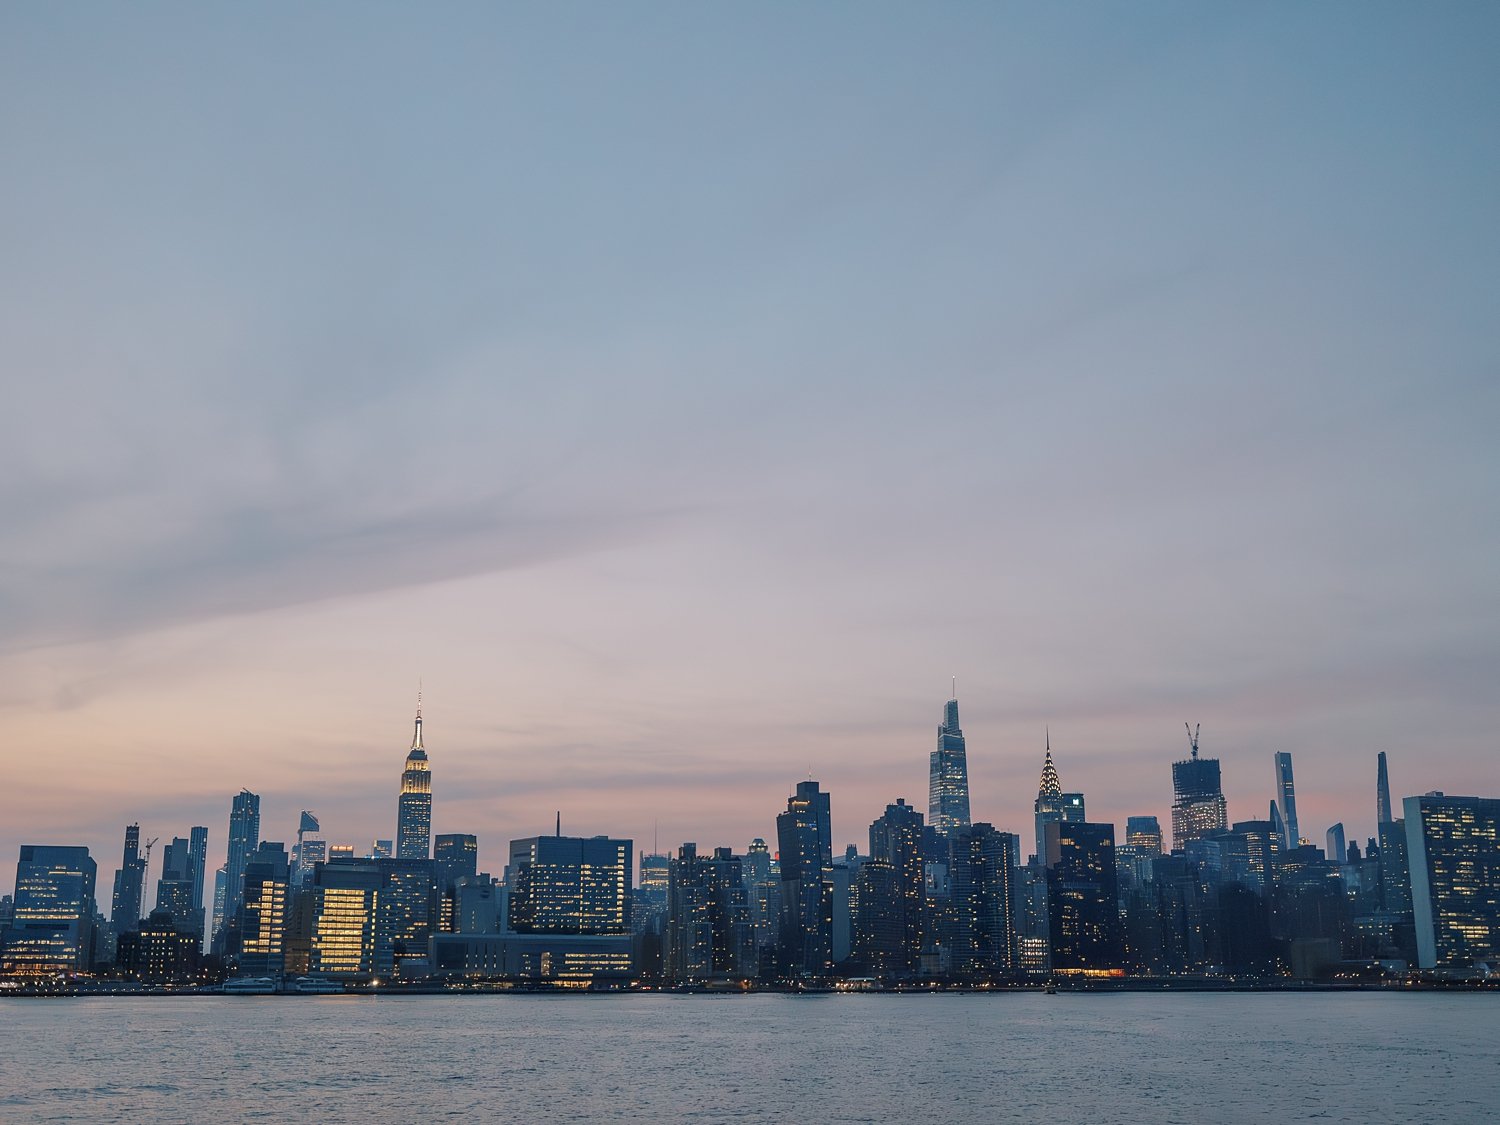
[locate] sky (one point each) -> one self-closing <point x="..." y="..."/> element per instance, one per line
<point x="683" y="394"/>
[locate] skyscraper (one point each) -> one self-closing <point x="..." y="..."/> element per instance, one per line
<point x="414" y="812"/>
<point x="1336" y="851"/>
<point x="1198" y="806"/>
<point x="948" y="775"/>
<point x="1383" y="813"/>
<point x="1083" y="896"/>
<point x="982" y="895"/>
<point x="260" y="923"/>
<point x="805" y="838"/>
<point x="1453" y="852"/>
<point x="125" y="907"/>
<point x="898" y="907"/>
<point x="174" y="890"/>
<point x="1286" y="796"/>
<point x="244" y="838"/>
<point x="198" y="854"/>
<point x="1049" y="806"/>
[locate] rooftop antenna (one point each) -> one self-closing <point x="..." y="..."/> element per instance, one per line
<point x="1193" y="738"/>
<point x="654" y="849"/>
<point x="559" y="822"/>
<point x="955" y="688"/>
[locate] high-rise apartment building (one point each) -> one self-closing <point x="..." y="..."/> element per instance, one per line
<point x="1336" y="850"/>
<point x="1198" y="806"/>
<point x="1286" y="798"/>
<point x="982" y="900"/>
<point x="414" y="809"/>
<point x="899" y="909"/>
<point x="805" y="838"/>
<point x="948" y="775"/>
<point x="708" y="933"/>
<point x="1453" y="852"/>
<point x="175" y="889"/>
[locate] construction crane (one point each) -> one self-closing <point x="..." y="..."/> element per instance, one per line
<point x="1193" y="738"/>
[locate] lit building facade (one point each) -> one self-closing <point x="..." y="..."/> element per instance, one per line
<point x="345" y="902"/>
<point x="570" y="885"/>
<point x="1453" y="852"/>
<point x="1198" y="806"/>
<point x="1048" y="807"/>
<point x="414" y="807"/>
<point x="948" y="775"/>
<point x="258" y="931"/>
<point x="52" y="923"/>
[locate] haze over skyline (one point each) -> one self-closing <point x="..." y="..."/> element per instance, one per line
<point x="686" y="394"/>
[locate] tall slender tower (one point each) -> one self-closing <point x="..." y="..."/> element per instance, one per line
<point x="1049" y="801"/>
<point x="1286" y="797"/>
<point x="125" y="908"/>
<point x="414" y="810"/>
<point x="948" y="776"/>
<point x="1382" y="792"/>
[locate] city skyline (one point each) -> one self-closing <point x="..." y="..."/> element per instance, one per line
<point x="688" y="397"/>
<point x="492" y="855"/>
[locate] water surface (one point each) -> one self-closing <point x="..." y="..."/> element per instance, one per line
<point x="1238" y="1057"/>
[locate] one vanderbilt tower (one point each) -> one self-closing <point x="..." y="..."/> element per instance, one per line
<point x="948" y="776"/>
<point x="414" y="813"/>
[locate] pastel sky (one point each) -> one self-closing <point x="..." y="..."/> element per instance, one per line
<point x="685" y="392"/>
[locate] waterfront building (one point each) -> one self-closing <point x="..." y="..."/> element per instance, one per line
<point x="1286" y="798"/>
<point x="1453" y="853"/>
<point x="982" y="896"/>
<point x="258" y="931"/>
<point x="159" y="950"/>
<point x="948" y="775"/>
<point x="805" y="839"/>
<point x="564" y="960"/>
<point x="896" y="837"/>
<point x="52" y="922"/>
<point x="708" y="933"/>
<point x="405" y="914"/>
<point x="1083" y="897"/>
<point x="569" y="885"/>
<point x="414" y="808"/>
<point x="345" y="901"/>
<point x="1198" y="806"/>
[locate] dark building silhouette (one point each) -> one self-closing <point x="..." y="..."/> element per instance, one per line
<point x="804" y="837"/>
<point x="126" y="903"/>
<point x="1082" y="893"/>
<point x="708" y="933"/>
<point x="982" y="896"/>
<point x="160" y="951"/>
<point x="892" y="899"/>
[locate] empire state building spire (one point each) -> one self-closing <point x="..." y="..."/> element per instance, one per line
<point x="414" y="809"/>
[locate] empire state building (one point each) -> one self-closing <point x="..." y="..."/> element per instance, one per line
<point x="414" y="813"/>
